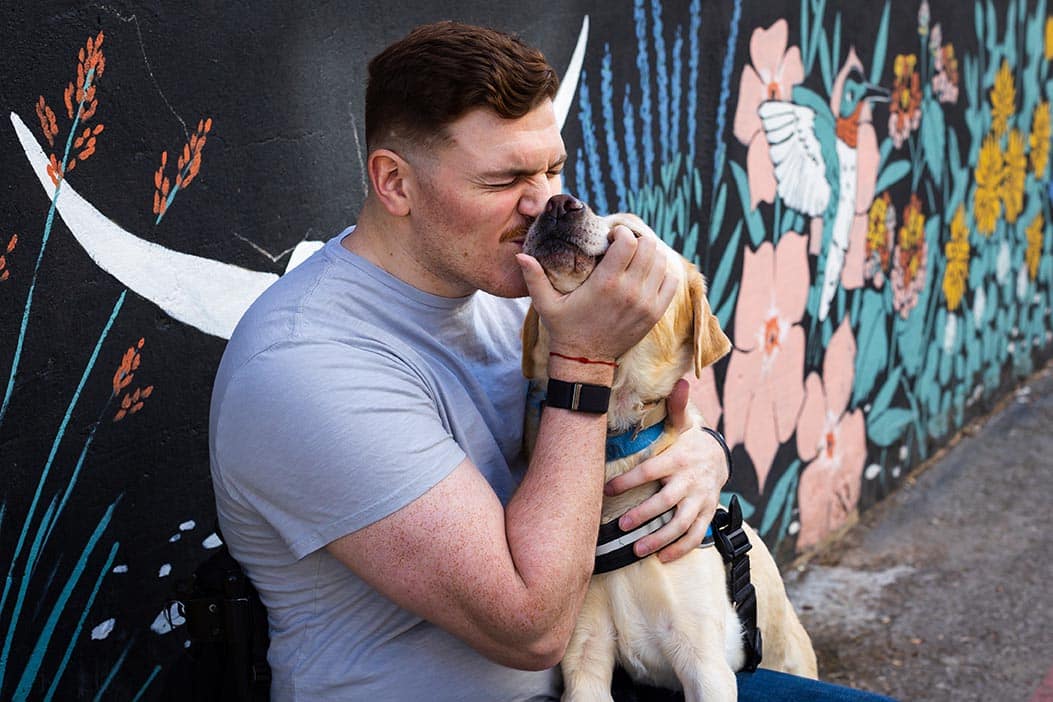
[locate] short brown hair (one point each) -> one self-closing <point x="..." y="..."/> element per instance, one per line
<point x="440" y="71"/>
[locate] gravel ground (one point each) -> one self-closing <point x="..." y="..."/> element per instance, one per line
<point x="943" y="591"/>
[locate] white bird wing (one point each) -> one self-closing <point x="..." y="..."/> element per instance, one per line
<point x="800" y="169"/>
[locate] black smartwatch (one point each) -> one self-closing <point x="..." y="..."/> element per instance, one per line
<point x="578" y="397"/>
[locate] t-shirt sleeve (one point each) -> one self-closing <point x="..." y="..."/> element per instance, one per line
<point x="329" y="440"/>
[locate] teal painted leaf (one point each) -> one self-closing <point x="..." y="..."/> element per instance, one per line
<point x="872" y="340"/>
<point x="754" y="223"/>
<point x="891" y="174"/>
<point x="880" y="46"/>
<point x="933" y="139"/>
<point x="717" y="215"/>
<point x="887" y="428"/>
<point x="781" y="499"/>
<point x="720" y="279"/>
<point x="825" y="64"/>
<point x="883" y="400"/>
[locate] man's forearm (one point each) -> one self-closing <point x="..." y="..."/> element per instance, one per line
<point x="552" y="519"/>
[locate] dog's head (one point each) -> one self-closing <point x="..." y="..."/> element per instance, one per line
<point x="568" y="240"/>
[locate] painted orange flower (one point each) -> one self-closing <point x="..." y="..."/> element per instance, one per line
<point x="909" y="259"/>
<point x="5" y="272"/>
<point x="81" y="103"/>
<point x="833" y="441"/>
<point x="764" y="387"/>
<point x="91" y="64"/>
<point x="945" y="82"/>
<point x="48" y="124"/>
<point x="957" y="250"/>
<point x="772" y="73"/>
<point x="187" y="167"/>
<point x="133" y="402"/>
<point x="905" y="107"/>
<point x="122" y="378"/>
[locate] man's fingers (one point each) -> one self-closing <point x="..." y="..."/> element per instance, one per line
<point x="686" y="543"/>
<point x="538" y="285"/>
<point x="676" y="406"/>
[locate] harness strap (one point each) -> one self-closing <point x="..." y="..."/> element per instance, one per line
<point x="614" y="548"/>
<point x="733" y="544"/>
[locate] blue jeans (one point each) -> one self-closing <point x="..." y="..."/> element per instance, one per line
<point x="769" y="686"/>
<point x="759" y="686"/>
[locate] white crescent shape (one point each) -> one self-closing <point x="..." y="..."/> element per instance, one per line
<point x="569" y="84"/>
<point x="206" y="294"/>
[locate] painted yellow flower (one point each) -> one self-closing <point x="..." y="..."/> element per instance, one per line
<point x="1012" y="189"/>
<point x="1033" y="256"/>
<point x="957" y="250"/>
<point x="1040" y="134"/>
<point x="1003" y="99"/>
<point x="881" y="228"/>
<point x="987" y="205"/>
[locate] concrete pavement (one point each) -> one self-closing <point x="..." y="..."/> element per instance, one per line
<point x="945" y="590"/>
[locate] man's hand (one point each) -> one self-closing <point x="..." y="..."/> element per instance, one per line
<point x="615" y="307"/>
<point x="692" y="472"/>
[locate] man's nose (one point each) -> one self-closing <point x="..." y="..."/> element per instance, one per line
<point x="533" y="203"/>
<point x="559" y="206"/>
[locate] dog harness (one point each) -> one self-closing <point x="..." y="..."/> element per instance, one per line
<point x="614" y="547"/>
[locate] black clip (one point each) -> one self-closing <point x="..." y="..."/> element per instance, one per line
<point x="730" y="538"/>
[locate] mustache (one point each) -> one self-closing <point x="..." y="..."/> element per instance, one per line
<point x="519" y="232"/>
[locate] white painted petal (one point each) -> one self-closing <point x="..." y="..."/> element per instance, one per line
<point x="103" y="630"/>
<point x="161" y="623"/>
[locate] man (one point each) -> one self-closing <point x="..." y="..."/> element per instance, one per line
<point x="367" y="415"/>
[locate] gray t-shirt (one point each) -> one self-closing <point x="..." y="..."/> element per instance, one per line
<point x="343" y="395"/>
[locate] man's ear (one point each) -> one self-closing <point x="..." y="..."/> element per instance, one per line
<point x="711" y="343"/>
<point x="388" y="174"/>
<point x="530" y="333"/>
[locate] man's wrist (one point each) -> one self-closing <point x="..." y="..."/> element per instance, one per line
<point x="724" y="446"/>
<point x="572" y="371"/>
<point x="578" y="397"/>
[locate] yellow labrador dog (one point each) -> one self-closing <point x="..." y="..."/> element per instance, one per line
<point x="668" y="624"/>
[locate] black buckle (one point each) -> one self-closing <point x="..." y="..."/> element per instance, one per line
<point x="733" y="544"/>
<point x="730" y="538"/>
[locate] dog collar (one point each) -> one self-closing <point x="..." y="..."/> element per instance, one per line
<point x="643" y="435"/>
<point x="633" y="441"/>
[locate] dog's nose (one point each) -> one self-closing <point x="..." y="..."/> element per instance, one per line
<point x="560" y="205"/>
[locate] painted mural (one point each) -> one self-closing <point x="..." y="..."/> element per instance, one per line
<point x="870" y="206"/>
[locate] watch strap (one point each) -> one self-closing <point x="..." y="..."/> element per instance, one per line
<point x="578" y="397"/>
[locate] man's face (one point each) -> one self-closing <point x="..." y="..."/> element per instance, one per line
<point x="478" y="194"/>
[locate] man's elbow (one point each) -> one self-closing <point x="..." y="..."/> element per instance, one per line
<point x="542" y="653"/>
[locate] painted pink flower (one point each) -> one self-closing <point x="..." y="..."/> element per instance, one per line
<point x="833" y="440"/>
<point x="704" y="395"/>
<point x="764" y="386"/>
<point x="772" y="75"/>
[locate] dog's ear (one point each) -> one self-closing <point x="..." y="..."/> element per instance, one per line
<point x="711" y="343"/>
<point x="530" y="333"/>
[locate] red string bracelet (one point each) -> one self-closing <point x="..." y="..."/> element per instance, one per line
<point x="582" y="359"/>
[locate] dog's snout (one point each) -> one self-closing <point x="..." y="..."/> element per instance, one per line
<point x="560" y="205"/>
